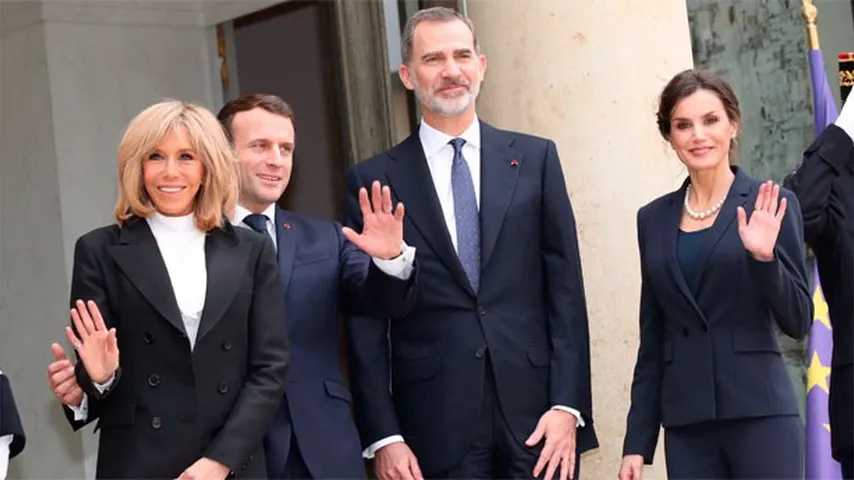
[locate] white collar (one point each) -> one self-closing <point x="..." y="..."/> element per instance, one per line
<point x="433" y="140"/>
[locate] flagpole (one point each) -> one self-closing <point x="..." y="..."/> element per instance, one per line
<point x="810" y="14"/>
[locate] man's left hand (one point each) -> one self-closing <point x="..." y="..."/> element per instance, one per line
<point x="205" y="469"/>
<point x="382" y="234"/>
<point x="558" y="429"/>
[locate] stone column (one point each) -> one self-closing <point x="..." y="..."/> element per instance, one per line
<point x="587" y="75"/>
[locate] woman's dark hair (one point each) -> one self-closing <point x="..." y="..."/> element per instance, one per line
<point x="686" y="83"/>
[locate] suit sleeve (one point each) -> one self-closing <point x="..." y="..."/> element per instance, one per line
<point x="565" y="301"/>
<point x="369" y="352"/>
<point x="644" y="418"/>
<point x="367" y="290"/>
<point x="783" y="281"/>
<point x="264" y="384"/>
<point x="10" y="421"/>
<point x="812" y="182"/>
<point x="88" y="283"/>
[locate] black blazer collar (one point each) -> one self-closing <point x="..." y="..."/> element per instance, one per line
<point x="138" y="256"/>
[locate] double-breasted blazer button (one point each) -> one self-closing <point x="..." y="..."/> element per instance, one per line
<point x="481" y="311"/>
<point x="480" y="353"/>
<point x="222" y="388"/>
<point x="156" y="423"/>
<point x="148" y="338"/>
<point x="685" y="331"/>
<point x="153" y="380"/>
<point x="226" y="346"/>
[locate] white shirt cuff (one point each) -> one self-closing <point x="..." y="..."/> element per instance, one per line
<point x="845" y="120"/>
<point x="5" y="442"/>
<point x="372" y="450"/>
<point x="400" y="266"/>
<point x="102" y="387"/>
<point x="81" y="412"/>
<point x="574" y="412"/>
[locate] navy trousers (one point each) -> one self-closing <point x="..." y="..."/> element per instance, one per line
<point x="747" y="448"/>
<point x="495" y="451"/>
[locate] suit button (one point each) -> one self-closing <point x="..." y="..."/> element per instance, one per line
<point x="685" y="331"/>
<point x="705" y="328"/>
<point x="243" y="467"/>
<point x="480" y="353"/>
<point x="226" y="346"/>
<point x="222" y="388"/>
<point x="156" y="423"/>
<point x="182" y="335"/>
<point x="153" y="380"/>
<point x="148" y="338"/>
<point x="481" y="312"/>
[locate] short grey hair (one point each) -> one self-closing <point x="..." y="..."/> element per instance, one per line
<point x="435" y="14"/>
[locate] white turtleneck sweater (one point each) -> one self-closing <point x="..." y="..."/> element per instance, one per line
<point x="182" y="247"/>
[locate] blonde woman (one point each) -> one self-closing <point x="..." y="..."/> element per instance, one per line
<point x="176" y="315"/>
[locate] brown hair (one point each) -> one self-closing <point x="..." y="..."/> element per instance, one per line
<point x="217" y="195"/>
<point x="266" y="101"/>
<point x="686" y="83"/>
<point x="435" y="14"/>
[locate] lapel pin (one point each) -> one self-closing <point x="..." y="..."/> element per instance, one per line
<point x="286" y="226"/>
<point x="514" y="163"/>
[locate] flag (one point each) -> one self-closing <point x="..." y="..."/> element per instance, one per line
<point x="819" y="464"/>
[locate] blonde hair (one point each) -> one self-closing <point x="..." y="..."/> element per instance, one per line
<point x="217" y="195"/>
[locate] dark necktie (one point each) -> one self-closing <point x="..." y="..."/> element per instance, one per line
<point x="465" y="214"/>
<point x="257" y="222"/>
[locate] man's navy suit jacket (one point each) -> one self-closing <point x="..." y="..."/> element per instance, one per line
<point x="529" y="316"/>
<point x="323" y="273"/>
<point x="824" y="184"/>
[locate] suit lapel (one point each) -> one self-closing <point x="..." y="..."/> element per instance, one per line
<point x="412" y="183"/>
<point x="673" y="216"/>
<point x="138" y="256"/>
<point x="226" y="266"/>
<point x="498" y="178"/>
<point x="736" y="197"/>
<point x="286" y="247"/>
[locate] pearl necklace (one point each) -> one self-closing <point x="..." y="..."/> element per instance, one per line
<point x="705" y="213"/>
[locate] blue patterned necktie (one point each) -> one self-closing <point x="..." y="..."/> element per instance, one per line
<point x="465" y="214"/>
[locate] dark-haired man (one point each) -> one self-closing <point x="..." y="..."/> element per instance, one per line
<point x="490" y="373"/>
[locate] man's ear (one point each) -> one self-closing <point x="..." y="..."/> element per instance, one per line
<point x="403" y="72"/>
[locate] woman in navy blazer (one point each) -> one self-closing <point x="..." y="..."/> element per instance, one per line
<point x="722" y="263"/>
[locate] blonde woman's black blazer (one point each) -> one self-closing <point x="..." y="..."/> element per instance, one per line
<point x="171" y="406"/>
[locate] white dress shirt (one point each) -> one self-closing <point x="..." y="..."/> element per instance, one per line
<point x="399" y="267"/>
<point x="440" y="156"/>
<point x="182" y="247"/>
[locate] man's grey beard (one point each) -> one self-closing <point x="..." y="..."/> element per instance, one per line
<point x="446" y="107"/>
